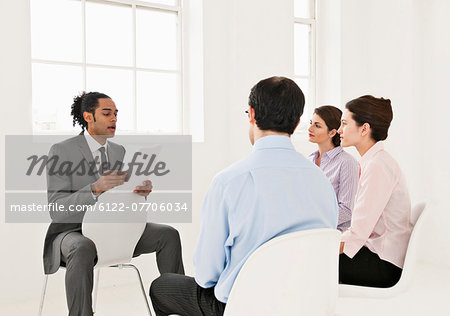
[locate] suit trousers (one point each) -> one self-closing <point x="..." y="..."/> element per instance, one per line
<point x="79" y="255"/>
<point x="367" y="269"/>
<point x="178" y="294"/>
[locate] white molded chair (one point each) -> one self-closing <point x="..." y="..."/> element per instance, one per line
<point x="292" y="274"/>
<point x="115" y="241"/>
<point x="417" y="220"/>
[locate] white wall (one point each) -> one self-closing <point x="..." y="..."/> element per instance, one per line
<point x="381" y="55"/>
<point x="20" y="245"/>
<point x="394" y="49"/>
<point x="434" y="123"/>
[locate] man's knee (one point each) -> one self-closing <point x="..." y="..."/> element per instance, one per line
<point x="83" y="249"/>
<point x="171" y="236"/>
<point x="156" y="287"/>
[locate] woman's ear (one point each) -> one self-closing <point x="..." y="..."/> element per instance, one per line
<point x="365" y="129"/>
<point x="332" y="133"/>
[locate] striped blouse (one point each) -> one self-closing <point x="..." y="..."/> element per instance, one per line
<point x="343" y="171"/>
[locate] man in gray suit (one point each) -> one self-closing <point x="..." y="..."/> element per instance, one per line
<point x="92" y="154"/>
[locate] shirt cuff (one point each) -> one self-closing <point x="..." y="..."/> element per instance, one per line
<point x="351" y="246"/>
<point x="94" y="196"/>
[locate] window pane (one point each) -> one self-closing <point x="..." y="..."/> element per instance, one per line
<point x="156" y="39"/>
<point x="54" y="87"/>
<point x="167" y="2"/>
<point x="157" y="102"/>
<point x="56" y="30"/>
<point x="304" y="84"/>
<point x="304" y="9"/>
<point x="108" y="34"/>
<point x="301" y="49"/>
<point x="118" y="85"/>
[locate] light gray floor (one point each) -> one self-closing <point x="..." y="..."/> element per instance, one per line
<point x="119" y="293"/>
<point x="112" y="301"/>
<point x="428" y="295"/>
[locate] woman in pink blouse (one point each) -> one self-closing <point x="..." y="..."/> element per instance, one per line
<point x="373" y="248"/>
<point x="340" y="167"/>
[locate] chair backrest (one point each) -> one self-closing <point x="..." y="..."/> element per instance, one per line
<point x="292" y="274"/>
<point x="418" y="214"/>
<point x="417" y="220"/>
<point x="115" y="234"/>
<point x="416" y="211"/>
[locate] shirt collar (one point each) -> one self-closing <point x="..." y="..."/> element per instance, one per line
<point x="331" y="153"/>
<point x="334" y="152"/>
<point x="93" y="144"/>
<point x="273" y="141"/>
<point x="314" y="155"/>
<point x="379" y="146"/>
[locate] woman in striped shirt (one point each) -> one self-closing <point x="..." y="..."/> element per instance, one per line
<point x="373" y="248"/>
<point x="340" y="167"/>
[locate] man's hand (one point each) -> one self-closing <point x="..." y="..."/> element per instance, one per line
<point x="108" y="180"/>
<point x="341" y="248"/>
<point x="144" y="189"/>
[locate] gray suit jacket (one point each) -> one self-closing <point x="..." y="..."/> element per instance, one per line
<point x="71" y="189"/>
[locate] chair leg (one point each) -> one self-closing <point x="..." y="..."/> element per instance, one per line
<point x="44" y="289"/>
<point x="120" y="266"/>
<point x="97" y="278"/>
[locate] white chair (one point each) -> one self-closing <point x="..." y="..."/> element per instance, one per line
<point x="292" y="274"/>
<point x="115" y="239"/>
<point x="354" y="291"/>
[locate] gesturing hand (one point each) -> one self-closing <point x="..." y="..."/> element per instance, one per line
<point x="144" y="189"/>
<point x="108" y="180"/>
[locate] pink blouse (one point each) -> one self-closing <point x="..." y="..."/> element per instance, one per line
<point x="381" y="214"/>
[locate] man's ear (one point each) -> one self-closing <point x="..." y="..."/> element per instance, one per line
<point x="88" y="117"/>
<point x="251" y="115"/>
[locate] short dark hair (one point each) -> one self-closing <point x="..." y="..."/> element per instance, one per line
<point x="377" y="112"/>
<point x="85" y="102"/>
<point x="278" y="103"/>
<point x="332" y="117"/>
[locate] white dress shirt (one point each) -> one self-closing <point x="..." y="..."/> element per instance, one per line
<point x="94" y="147"/>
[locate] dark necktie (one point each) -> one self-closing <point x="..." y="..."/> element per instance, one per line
<point x="103" y="162"/>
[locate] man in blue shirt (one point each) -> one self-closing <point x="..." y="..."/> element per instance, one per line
<point x="274" y="191"/>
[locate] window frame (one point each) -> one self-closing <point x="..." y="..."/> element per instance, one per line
<point x="312" y="76"/>
<point x="182" y="120"/>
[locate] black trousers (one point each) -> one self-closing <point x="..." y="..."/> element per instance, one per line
<point x="178" y="294"/>
<point x="367" y="269"/>
<point x="79" y="254"/>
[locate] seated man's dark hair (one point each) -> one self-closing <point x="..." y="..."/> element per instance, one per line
<point x="85" y="102"/>
<point x="278" y="103"/>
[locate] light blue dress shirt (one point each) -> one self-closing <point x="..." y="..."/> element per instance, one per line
<point x="272" y="192"/>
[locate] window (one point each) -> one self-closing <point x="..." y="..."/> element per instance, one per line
<point x="130" y="50"/>
<point x="304" y="54"/>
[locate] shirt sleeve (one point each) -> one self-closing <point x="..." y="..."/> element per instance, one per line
<point x="211" y="254"/>
<point x="376" y="186"/>
<point x="348" y="185"/>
